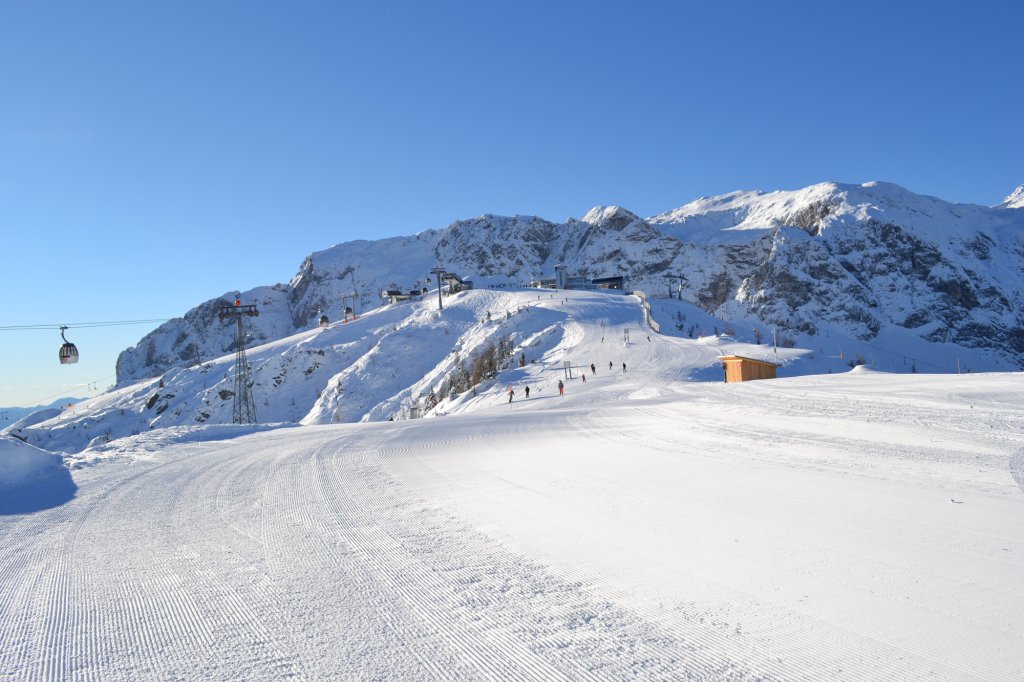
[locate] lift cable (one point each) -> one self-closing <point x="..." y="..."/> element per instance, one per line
<point x="80" y="325"/>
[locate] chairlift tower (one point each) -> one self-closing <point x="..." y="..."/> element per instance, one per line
<point x="244" y="410"/>
<point x="437" y="271"/>
<point x="681" y="279"/>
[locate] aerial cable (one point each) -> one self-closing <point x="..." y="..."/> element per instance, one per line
<point x="68" y="353"/>
<point x="80" y="325"/>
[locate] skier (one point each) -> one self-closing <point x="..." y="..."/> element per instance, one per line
<point x="623" y="368"/>
<point x="609" y="365"/>
<point x="593" y="370"/>
<point x="510" y="393"/>
<point x="527" y="391"/>
<point x="561" y="387"/>
<point x="584" y="377"/>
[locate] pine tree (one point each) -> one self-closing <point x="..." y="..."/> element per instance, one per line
<point x="461" y="383"/>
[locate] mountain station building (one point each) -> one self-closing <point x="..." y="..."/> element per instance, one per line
<point x="562" y="280"/>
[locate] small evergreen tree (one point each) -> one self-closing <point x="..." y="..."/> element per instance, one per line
<point x="460" y="378"/>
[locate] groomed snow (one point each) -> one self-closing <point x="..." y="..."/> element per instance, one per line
<point x="857" y="526"/>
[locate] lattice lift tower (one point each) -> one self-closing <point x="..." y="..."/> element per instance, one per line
<point x="244" y="411"/>
<point x="681" y="279"/>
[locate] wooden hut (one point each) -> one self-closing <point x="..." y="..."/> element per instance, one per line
<point x="739" y="368"/>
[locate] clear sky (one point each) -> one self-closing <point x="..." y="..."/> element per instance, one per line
<point x="155" y="155"/>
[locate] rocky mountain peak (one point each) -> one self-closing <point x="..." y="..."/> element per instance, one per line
<point x="611" y="217"/>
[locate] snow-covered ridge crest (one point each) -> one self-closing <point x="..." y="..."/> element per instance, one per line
<point x="817" y="208"/>
<point x="863" y="257"/>
<point x="600" y="215"/>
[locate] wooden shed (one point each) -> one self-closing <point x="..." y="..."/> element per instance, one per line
<point x="739" y="368"/>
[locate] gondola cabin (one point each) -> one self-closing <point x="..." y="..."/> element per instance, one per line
<point x="68" y="351"/>
<point x="324" y="321"/>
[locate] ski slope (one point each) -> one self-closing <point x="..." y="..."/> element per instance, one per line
<point x="376" y="367"/>
<point x="858" y="526"/>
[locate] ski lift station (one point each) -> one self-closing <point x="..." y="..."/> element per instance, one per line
<point x="398" y="296"/>
<point x="563" y="280"/>
<point x="454" y="283"/>
<point x="739" y="368"/>
<point x="449" y="283"/>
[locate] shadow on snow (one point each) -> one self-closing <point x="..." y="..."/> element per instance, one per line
<point x="45" y="493"/>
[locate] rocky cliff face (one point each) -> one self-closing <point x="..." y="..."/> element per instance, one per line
<point x="859" y="258"/>
<point x="849" y="259"/>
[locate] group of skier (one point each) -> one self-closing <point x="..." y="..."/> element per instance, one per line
<point x="512" y="392"/>
<point x="561" y="384"/>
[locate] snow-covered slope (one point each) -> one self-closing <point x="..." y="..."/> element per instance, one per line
<point x="381" y="365"/>
<point x="863" y="261"/>
<point x="651" y="522"/>
<point x="864" y="526"/>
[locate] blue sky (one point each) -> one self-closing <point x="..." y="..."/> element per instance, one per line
<point x="155" y="155"/>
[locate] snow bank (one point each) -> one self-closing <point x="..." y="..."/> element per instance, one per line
<point x="21" y="462"/>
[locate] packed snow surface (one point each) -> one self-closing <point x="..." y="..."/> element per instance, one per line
<point x="855" y="526"/>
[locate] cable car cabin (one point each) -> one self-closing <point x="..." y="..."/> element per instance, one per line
<point x="324" y="321"/>
<point x="739" y="368"/>
<point x="68" y="354"/>
<point x="68" y="351"/>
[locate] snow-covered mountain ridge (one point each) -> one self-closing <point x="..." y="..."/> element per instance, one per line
<point x="857" y="258"/>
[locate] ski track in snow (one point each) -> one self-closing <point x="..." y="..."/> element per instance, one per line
<point x="223" y="557"/>
<point x="488" y="548"/>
